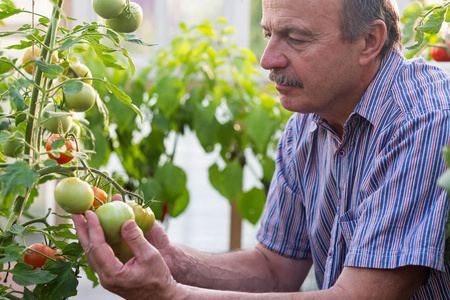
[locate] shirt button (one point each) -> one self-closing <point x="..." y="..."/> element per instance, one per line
<point x="330" y="254"/>
<point x="342" y="153"/>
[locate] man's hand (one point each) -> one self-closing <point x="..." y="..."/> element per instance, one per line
<point x="145" y="276"/>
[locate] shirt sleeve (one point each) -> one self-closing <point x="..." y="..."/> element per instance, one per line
<point x="402" y="218"/>
<point x="283" y="229"/>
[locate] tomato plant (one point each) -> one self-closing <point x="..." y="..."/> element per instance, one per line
<point x="56" y="142"/>
<point x="74" y="195"/>
<point x="112" y="215"/>
<point x="129" y="20"/>
<point x="38" y="255"/>
<point x="43" y="82"/>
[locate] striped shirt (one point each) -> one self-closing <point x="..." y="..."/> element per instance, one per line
<point x="370" y="198"/>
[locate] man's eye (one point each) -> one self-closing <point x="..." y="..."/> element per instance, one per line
<point x="267" y="36"/>
<point x="295" y="41"/>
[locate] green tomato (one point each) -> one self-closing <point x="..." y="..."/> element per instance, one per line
<point x="108" y="8"/>
<point x="75" y="196"/>
<point x="129" y="20"/>
<point x="122" y="251"/>
<point x="13" y="148"/>
<point x="144" y="217"/>
<point x="59" y="122"/>
<point x="81" y="101"/>
<point x="77" y="70"/>
<point x="112" y="215"/>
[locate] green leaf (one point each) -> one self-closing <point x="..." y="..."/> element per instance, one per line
<point x="446" y="154"/>
<point x="68" y="43"/>
<point x="73" y="249"/>
<point x="12" y="253"/>
<point x="167" y="89"/>
<point x="64" y="284"/>
<point x="228" y="182"/>
<point x="19" y="230"/>
<point x="123" y="97"/>
<point x="434" y="23"/>
<point x="444" y="180"/>
<point x="5" y="65"/>
<point x="51" y="71"/>
<point x="91" y="275"/>
<point x="8" y="9"/>
<point x="180" y="204"/>
<point x="22" y="275"/>
<point x="131" y="38"/>
<point x="17" y="178"/>
<point x="72" y="87"/>
<point x="172" y="179"/>
<point x="260" y="127"/>
<point x="19" y="102"/>
<point x="251" y="204"/>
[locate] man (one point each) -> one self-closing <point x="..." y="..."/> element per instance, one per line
<point x="354" y="193"/>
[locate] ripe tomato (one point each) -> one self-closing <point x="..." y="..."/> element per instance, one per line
<point x="81" y="101"/>
<point x="37" y="260"/>
<point x="58" y="123"/>
<point x="33" y="53"/>
<point x="122" y="251"/>
<point x="68" y="146"/>
<point x="74" y="195"/>
<point x="112" y="215"/>
<point x="129" y="20"/>
<point x="100" y="195"/>
<point x="76" y="70"/>
<point x="144" y="217"/>
<point x="439" y="54"/>
<point x="108" y="8"/>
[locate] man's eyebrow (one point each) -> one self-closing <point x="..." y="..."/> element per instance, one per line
<point x="292" y="29"/>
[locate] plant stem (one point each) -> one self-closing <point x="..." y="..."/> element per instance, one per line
<point x="70" y="169"/>
<point x="49" y="40"/>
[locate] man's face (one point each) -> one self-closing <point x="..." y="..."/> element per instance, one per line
<point x="313" y="69"/>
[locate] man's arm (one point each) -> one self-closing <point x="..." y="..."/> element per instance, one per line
<point x="146" y="276"/>
<point x="255" y="270"/>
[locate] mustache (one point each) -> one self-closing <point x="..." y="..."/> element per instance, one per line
<point x="285" y="80"/>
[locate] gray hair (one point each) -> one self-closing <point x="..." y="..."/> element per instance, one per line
<point x="357" y="17"/>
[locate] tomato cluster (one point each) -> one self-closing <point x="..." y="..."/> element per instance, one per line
<point x="76" y="196"/>
<point x="119" y="16"/>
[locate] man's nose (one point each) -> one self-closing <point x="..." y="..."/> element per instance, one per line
<point x="273" y="56"/>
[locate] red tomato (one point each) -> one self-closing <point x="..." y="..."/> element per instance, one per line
<point x="100" y="195"/>
<point x="37" y="260"/>
<point x="68" y="146"/>
<point x="439" y="54"/>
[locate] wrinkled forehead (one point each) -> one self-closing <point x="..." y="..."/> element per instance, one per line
<point x="317" y="13"/>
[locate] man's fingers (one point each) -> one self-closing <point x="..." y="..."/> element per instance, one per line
<point x="132" y="235"/>
<point x="90" y="234"/>
<point x="81" y="227"/>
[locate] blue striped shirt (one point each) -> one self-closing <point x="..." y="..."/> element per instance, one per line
<point x="370" y="198"/>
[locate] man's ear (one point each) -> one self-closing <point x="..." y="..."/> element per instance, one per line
<point x="373" y="42"/>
